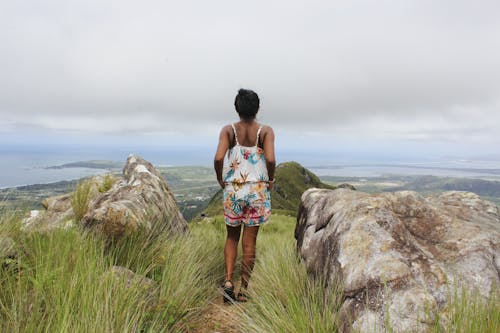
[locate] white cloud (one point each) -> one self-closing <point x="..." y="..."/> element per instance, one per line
<point x="413" y="70"/>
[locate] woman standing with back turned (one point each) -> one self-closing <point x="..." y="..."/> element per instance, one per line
<point x="247" y="177"/>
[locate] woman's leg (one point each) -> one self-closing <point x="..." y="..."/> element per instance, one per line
<point x="248" y="244"/>
<point x="231" y="249"/>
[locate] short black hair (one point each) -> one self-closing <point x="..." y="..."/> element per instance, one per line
<point x="247" y="103"/>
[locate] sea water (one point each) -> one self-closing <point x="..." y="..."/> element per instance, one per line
<point x="26" y="167"/>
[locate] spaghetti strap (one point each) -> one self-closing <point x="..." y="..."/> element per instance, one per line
<point x="236" y="135"/>
<point x="258" y="133"/>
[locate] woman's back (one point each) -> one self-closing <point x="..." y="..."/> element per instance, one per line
<point x="245" y="163"/>
<point x="246" y="133"/>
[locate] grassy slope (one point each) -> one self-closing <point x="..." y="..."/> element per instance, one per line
<point x="292" y="179"/>
<point x="58" y="284"/>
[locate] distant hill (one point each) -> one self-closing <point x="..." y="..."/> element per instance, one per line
<point x="93" y="164"/>
<point x="292" y="179"/>
<point x="433" y="184"/>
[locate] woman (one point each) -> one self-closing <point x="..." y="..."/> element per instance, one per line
<point x="247" y="178"/>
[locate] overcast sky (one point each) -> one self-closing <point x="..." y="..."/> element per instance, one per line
<point x="406" y="74"/>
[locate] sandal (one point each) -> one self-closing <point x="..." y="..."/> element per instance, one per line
<point x="228" y="292"/>
<point x="242" y="294"/>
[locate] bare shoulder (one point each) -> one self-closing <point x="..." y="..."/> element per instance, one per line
<point x="226" y="129"/>
<point x="266" y="129"/>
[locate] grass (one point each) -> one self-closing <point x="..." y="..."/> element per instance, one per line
<point x="80" y="199"/>
<point x="107" y="183"/>
<point x="60" y="282"/>
<point x="471" y="313"/>
<point x="284" y="298"/>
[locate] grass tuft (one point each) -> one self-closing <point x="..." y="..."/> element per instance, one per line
<point x="107" y="183"/>
<point x="81" y="198"/>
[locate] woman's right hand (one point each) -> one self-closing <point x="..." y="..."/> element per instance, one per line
<point x="270" y="185"/>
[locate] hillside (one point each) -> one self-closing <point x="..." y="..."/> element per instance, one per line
<point x="292" y="179"/>
<point x="433" y="184"/>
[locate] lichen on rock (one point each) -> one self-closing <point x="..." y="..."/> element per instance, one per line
<point x="398" y="254"/>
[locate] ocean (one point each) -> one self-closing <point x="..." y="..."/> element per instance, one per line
<point x="30" y="167"/>
<point x="25" y="167"/>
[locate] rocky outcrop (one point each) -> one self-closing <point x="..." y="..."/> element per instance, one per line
<point x="58" y="212"/>
<point x="141" y="200"/>
<point x="398" y="254"/>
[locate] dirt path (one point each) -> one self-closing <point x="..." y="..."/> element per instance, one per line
<point x="220" y="317"/>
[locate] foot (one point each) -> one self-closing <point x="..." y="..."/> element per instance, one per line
<point x="228" y="292"/>
<point x="242" y="297"/>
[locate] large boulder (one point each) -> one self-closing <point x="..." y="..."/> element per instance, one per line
<point x="140" y="200"/>
<point x="398" y="255"/>
<point x="58" y="212"/>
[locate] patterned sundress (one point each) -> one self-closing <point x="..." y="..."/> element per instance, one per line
<point x="247" y="198"/>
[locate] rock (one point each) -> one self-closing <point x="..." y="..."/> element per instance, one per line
<point x="48" y="220"/>
<point x="141" y="199"/>
<point x="7" y="248"/>
<point x="58" y="211"/>
<point x="60" y="203"/>
<point x="147" y="287"/>
<point x="398" y="253"/>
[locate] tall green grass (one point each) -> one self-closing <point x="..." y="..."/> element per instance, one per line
<point x="80" y="199"/>
<point x="284" y="298"/>
<point x="60" y="281"/>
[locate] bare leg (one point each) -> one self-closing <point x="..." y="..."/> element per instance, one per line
<point x="248" y="244"/>
<point x="231" y="250"/>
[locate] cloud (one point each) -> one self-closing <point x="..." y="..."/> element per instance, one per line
<point x="414" y="70"/>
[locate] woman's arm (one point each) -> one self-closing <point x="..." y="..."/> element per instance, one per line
<point x="269" y="154"/>
<point x="222" y="148"/>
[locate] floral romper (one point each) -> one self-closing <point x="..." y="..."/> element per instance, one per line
<point x="246" y="194"/>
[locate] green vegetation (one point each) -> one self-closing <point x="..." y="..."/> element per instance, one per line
<point x="292" y="179"/>
<point x="432" y="184"/>
<point x="93" y="164"/>
<point x="193" y="186"/>
<point x="80" y="199"/>
<point x="25" y="198"/>
<point x="107" y="183"/>
<point x="284" y="298"/>
<point x="60" y="282"/>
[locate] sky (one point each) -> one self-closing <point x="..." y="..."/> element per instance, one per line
<point x="386" y="78"/>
